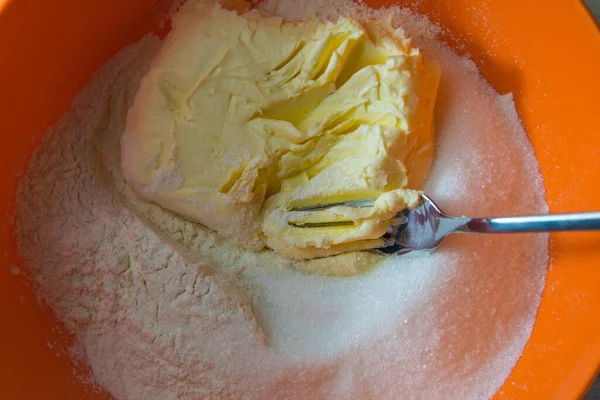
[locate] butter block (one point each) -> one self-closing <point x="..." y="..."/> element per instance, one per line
<point x="243" y="118"/>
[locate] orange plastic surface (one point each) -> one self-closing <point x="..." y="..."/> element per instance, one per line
<point x="546" y="52"/>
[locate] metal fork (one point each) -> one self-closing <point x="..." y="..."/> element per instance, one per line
<point x="424" y="227"/>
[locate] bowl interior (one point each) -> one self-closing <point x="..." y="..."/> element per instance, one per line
<point x="546" y="53"/>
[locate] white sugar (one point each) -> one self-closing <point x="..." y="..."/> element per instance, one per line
<point x="451" y="325"/>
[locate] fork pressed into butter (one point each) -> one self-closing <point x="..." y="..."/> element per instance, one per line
<point x="244" y="118"/>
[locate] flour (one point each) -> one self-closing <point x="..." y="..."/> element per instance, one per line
<point x="138" y="305"/>
<point x="162" y="308"/>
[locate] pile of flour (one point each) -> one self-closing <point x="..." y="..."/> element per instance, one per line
<point x="162" y="308"/>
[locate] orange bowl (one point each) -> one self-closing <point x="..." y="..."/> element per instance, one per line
<point x="546" y="53"/>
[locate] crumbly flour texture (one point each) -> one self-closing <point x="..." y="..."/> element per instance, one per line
<point x="162" y="308"/>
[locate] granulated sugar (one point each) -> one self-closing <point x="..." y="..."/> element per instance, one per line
<point x="164" y="309"/>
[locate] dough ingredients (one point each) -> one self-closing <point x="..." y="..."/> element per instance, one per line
<point x="161" y="307"/>
<point x="243" y="118"/>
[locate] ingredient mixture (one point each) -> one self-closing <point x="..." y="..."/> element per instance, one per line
<point x="236" y="110"/>
<point x="162" y="307"/>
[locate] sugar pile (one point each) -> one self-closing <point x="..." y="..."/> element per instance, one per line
<point x="162" y="308"/>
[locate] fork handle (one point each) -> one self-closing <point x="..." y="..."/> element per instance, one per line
<point x="586" y="221"/>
